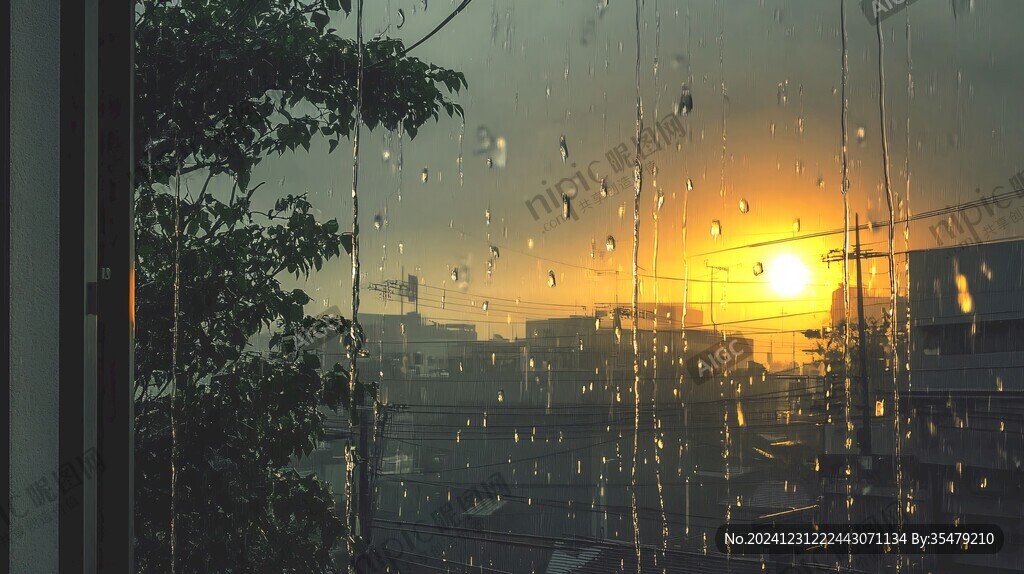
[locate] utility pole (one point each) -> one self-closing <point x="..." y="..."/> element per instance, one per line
<point x="364" y="507"/>
<point x="865" y="386"/>
<point x="865" y="441"/>
<point x="714" y="268"/>
<point x="404" y="290"/>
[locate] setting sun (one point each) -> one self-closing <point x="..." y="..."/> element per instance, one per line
<point x="788" y="275"/>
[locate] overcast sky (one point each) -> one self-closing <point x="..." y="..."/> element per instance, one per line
<point x="542" y="69"/>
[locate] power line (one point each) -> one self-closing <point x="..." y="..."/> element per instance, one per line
<point x="436" y="29"/>
<point x="995" y="198"/>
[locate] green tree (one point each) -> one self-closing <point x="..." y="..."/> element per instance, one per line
<point x="828" y="351"/>
<point x="221" y="85"/>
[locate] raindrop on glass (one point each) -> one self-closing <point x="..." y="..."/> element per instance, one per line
<point x="378" y="221"/>
<point x="563" y="149"/>
<point x="661" y="199"/>
<point x="566" y="206"/>
<point x="758" y="269"/>
<point x="426" y="175"/>
<point x="744" y="206"/>
<point x="685" y="104"/>
<point x="689" y="184"/>
<point x="455" y="273"/>
<point x="604" y="187"/>
<point x="796" y="225"/>
<point x="551" y="278"/>
<point x="716" y="228"/>
<point x="486" y="305"/>
<point x="609" y="243"/>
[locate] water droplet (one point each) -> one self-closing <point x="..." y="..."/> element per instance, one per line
<point x="455" y="273"/>
<point x="378" y="221"/>
<point x="661" y="199"/>
<point x="486" y="305"/>
<point x="566" y="206"/>
<point x="861" y="136"/>
<point x="716" y="228"/>
<point x="744" y="206"/>
<point x="551" y="278"/>
<point x="609" y="243"/>
<point x="494" y="252"/>
<point x="501" y="395"/>
<point x="604" y="187"/>
<point x="563" y="149"/>
<point x="490" y="163"/>
<point x="426" y="175"/>
<point x="685" y="104"/>
<point x="401" y="248"/>
<point x="689" y="184"/>
<point x="758" y="269"/>
<point x="796" y="225"/>
<point x="487" y="216"/>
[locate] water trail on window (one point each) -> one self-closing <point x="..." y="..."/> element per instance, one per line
<point x="637" y="187"/>
<point x="890" y="200"/>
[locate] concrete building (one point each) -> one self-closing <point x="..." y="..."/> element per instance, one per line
<point x="965" y="395"/>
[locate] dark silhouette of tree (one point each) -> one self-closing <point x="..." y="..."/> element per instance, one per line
<point x="221" y="85"/>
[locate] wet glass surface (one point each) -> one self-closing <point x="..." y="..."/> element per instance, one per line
<point x="610" y="276"/>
